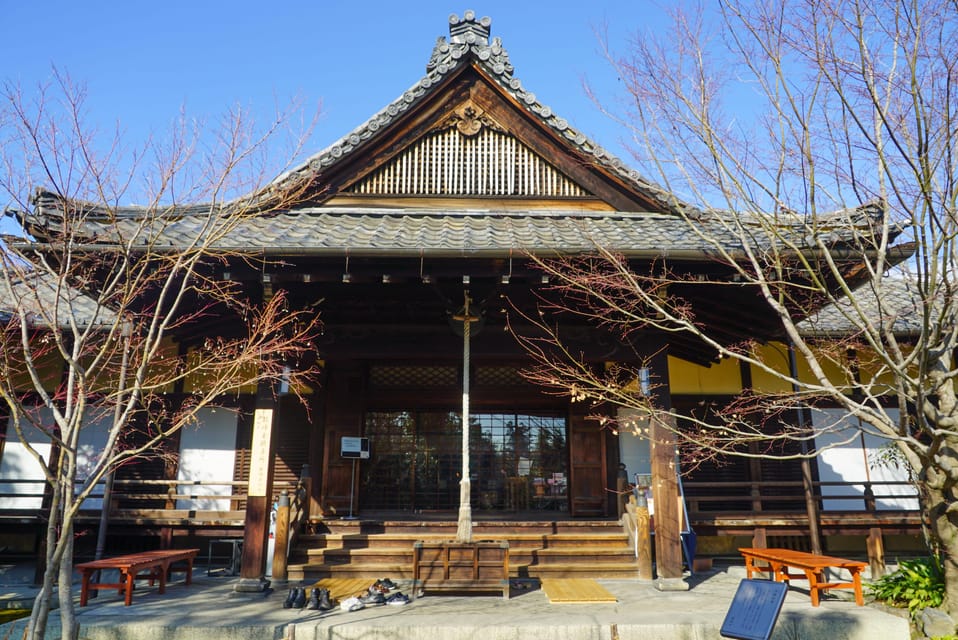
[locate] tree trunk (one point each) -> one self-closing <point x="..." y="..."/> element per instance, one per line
<point x="69" y="628"/>
<point x="944" y="528"/>
<point x="37" y="627"/>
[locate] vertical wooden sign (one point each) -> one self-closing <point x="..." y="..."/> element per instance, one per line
<point x="259" y="453"/>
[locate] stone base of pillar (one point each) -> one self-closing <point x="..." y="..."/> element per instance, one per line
<point x="671" y="584"/>
<point x="251" y="585"/>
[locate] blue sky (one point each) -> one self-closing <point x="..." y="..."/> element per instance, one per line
<point x="143" y="62"/>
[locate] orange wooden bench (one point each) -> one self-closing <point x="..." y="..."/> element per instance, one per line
<point x="159" y="564"/>
<point x="812" y="565"/>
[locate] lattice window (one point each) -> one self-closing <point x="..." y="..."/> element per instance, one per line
<point x="499" y="377"/>
<point x="410" y="376"/>
<point x="452" y="163"/>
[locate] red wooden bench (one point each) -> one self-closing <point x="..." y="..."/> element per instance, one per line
<point x="159" y="564"/>
<point x="812" y="565"/>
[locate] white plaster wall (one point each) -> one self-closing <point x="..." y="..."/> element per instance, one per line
<point x="18" y="464"/>
<point x="207" y="453"/>
<point x="854" y="457"/>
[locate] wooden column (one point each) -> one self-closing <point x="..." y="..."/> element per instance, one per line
<point x="665" y="482"/>
<point x="665" y="492"/>
<point x="259" y="492"/>
<point x="876" y="552"/>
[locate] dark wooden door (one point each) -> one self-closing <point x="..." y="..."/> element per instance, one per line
<point x="587" y="471"/>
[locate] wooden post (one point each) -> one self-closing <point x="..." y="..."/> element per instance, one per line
<point x="643" y="541"/>
<point x="665" y="492"/>
<point x="876" y="552"/>
<point x="259" y="494"/>
<point x="759" y="539"/>
<point x="280" y="574"/>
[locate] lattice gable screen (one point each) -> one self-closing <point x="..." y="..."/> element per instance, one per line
<point x="469" y="155"/>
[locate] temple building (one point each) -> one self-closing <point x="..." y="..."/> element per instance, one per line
<point x="435" y="201"/>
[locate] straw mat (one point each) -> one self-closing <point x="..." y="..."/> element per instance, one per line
<point x="574" y="590"/>
<point x="342" y="588"/>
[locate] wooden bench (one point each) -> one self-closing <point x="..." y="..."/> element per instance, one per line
<point x="812" y="565"/>
<point x="159" y="564"/>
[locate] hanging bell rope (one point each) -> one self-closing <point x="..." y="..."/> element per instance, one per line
<point x="464" y="528"/>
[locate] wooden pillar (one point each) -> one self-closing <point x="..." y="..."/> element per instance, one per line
<point x="259" y="492"/>
<point x="643" y="542"/>
<point x="665" y="493"/>
<point x="665" y="483"/>
<point x="759" y="538"/>
<point x="876" y="552"/>
<point x="280" y="574"/>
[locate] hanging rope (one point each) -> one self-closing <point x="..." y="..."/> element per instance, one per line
<point x="464" y="529"/>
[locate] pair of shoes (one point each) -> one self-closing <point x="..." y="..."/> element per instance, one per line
<point x="372" y="598"/>
<point x="296" y="599"/>
<point x="397" y="599"/>
<point x="351" y="604"/>
<point x="385" y="583"/>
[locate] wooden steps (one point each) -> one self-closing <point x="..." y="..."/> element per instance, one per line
<point x="537" y="549"/>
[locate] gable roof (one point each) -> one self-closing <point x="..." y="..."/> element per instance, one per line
<point x="469" y="45"/>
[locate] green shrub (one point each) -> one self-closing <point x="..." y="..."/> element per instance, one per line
<point x="917" y="584"/>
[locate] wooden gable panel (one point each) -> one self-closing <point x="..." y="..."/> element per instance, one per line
<point x="458" y="161"/>
<point x="404" y="157"/>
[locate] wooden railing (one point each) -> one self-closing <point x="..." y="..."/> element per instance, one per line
<point x="194" y="503"/>
<point x="709" y="498"/>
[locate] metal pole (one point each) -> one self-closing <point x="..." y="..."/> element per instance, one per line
<point x="352" y="481"/>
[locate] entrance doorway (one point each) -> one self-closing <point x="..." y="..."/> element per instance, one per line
<point x="517" y="461"/>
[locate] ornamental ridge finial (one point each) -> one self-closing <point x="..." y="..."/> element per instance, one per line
<point x="469" y="30"/>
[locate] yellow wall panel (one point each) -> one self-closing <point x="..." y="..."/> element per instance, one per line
<point x="719" y="379"/>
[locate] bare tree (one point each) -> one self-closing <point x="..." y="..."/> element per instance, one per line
<point x="93" y="323"/>
<point x="812" y="147"/>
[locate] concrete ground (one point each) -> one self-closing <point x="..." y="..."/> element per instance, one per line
<point x="211" y="610"/>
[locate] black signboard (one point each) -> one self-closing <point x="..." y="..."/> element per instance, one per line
<point x="754" y="610"/>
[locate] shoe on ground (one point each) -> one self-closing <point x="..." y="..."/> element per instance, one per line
<point x="325" y="603"/>
<point x="389" y="584"/>
<point x="290" y="598"/>
<point x="300" y="600"/>
<point x="383" y="585"/>
<point x="313" y="604"/>
<point x="397" y="599"/>
<point x="351" y="604"/>
<point x="373" y="598"/>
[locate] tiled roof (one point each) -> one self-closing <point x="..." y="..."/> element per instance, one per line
<point x="40" y="295"/>
<point x="469" y="43"/>
<point x="338" y="230"/>
<point x="897" y="300"/>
